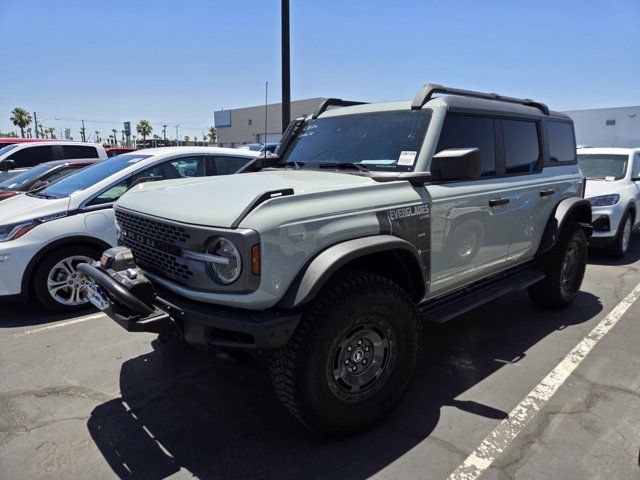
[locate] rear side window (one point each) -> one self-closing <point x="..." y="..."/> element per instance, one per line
<point x="521" y="146"/>
<point x="562" y="147"/>
<point x="461" y="131"/>
<point x="58" y="174"/>
<point x="32" y="156"/>
<point x="78" y="151"/>
<point x="229" y="165"/>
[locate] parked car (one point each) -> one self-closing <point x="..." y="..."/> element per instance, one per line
<point x="4" y="141"/>
<point x="113" y="151"/>
<point x="21" y="156"/>
<point x="45" y="234"/>
<point x="259" y="147"/>
<point x="41" y="175"/>
<point x="369" y="219"/>
<point x="613" y="188"/>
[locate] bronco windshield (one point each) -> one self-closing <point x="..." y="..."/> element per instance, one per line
<point x="603" y="167"/>
<point x="387" y="141"/>
<point x="90" y="176"/>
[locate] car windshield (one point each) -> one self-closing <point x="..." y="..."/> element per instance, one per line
<point x="90" y="176"/>
<point x="387" y="141"/>
<point x="603" y="167"/>
<point x="8" y="148"/>
<point x="24" y="179"/>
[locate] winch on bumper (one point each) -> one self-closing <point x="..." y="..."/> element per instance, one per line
<point x="120" y="289"/>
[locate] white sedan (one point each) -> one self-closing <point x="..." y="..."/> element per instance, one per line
<point x="613" y="188"/>
<point x="46" y="234"/>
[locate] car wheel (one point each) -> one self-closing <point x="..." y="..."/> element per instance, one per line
<point x="351" y="357"/>
<point x="620" y="245"/>
<point x="57" y="284"/>
<point x="563" y="265"/>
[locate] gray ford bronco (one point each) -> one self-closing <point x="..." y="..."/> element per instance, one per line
<point x="370" y="219"/>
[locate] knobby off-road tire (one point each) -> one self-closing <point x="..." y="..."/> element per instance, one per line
<point x="563" y="266"/>
<point x="620" y="245"/>
<point x="352" y="356"/>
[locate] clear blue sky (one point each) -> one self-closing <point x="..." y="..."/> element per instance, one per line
<point x="176" y="62"/>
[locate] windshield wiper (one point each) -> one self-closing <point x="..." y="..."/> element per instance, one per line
<point x="344" y="166"/>
<point x="43" y="195"/>
<point x="293" y="163"/>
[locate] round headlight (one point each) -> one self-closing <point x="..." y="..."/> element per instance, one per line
<point x="227" y="269"/>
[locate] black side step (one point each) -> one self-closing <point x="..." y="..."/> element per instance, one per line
<point x="441" y="310"/>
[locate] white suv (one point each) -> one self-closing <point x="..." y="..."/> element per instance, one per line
<point x="45" y="234"/>
<point x="19" y="157"/>
<point x="613" y="188"/>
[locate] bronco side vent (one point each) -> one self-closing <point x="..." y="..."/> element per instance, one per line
<point x="263" y="197"/>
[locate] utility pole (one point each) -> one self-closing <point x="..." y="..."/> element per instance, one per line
<point x="286" y="80"/>
<point x="35" y="120"/>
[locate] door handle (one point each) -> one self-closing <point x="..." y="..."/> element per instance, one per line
<point x="547" y="192"/>
<point x="494" y="202"/>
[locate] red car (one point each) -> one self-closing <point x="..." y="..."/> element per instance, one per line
<point x="4" y="141"/>
<point x="113" y="151"/>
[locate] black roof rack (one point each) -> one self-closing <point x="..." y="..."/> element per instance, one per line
<point x="429" y="90"/>
<point x="333" y="102"/>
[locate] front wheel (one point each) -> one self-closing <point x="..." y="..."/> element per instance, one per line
<point x="620" y="245"/>
<point x="352" y="356"/>
<point x="563" y="265"/>
<point x="57" y="284"/>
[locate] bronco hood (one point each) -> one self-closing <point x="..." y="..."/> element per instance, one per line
<point x="219" y="201"/>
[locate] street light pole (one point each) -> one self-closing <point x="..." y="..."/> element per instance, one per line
<point x="286" y="80"/>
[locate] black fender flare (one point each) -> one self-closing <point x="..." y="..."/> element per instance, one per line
<point x="73" y="240"/>
<point x="576" y="208"/>
<point x="315" y="273"/>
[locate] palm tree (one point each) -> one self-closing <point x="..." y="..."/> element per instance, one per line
<point x="213" y="135"/>
<point x="29" y="132"/>
<point x="97" y="135"/>
<point x="51" y="131"/>
<point x="144" y="129"/>
<point x="20" y="118"/>
<point x="115" y="139"/>
<point x="186" y="139"/>
<point x="83" y="133"/>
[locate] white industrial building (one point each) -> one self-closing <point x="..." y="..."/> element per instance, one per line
<point x="607" y="127"/>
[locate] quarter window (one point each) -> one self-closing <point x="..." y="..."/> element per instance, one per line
<point x="78" y="151"/>
<point x="521" y="146"/>
<point x="461" y="131"/>
<point x="562" y="147"/>
<point x="229" y="165"/>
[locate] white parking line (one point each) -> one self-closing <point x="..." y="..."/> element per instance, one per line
<point x="500" y="438"/>
<point x="52" y="327"/>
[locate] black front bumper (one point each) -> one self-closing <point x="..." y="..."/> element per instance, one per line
<point x="197" y="323"/>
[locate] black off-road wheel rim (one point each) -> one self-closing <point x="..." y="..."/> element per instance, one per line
<point x="361" y="360"/>
<point x="570" y="268"/>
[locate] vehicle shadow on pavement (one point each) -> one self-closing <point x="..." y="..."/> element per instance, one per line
<point x="185" y="409"/>
<point x="16" y="314"/>
<point x="598" y="256"/>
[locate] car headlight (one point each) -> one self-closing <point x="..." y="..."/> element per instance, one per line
<point x="16" y="230"/>
<point x="604" y="200"/>
<point x="225" y="262"/>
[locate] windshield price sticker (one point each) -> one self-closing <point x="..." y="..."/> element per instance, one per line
<point x="407" y="158"/>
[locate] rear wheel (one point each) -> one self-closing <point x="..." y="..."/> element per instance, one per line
<point x="352" y="356"/>
<point x="620" y="245"/>
<point x="57" y="284"/>
<point x="563" y="265"/>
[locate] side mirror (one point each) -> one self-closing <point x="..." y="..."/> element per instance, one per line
<point x="456" y="164"/>
<point x="635" y="179"/>
<point x="7" y="164"/>
<point x="39" y="184"/>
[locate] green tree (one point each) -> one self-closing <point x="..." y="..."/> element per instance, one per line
<point x="51" y="132"/>
<point x="83" y="133"/>
<point x="29" y="131"/>
<point x="144" y="129"/>
<point x="213" y="135"/>
<point x="186" y="138"/>
<point x="97" y="133"/>
<point x="20" y="118"/>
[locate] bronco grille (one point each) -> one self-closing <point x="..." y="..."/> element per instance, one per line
<point x="155" y="245"/>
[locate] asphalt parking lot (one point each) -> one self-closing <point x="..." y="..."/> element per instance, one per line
<point x="82" y="398"/>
